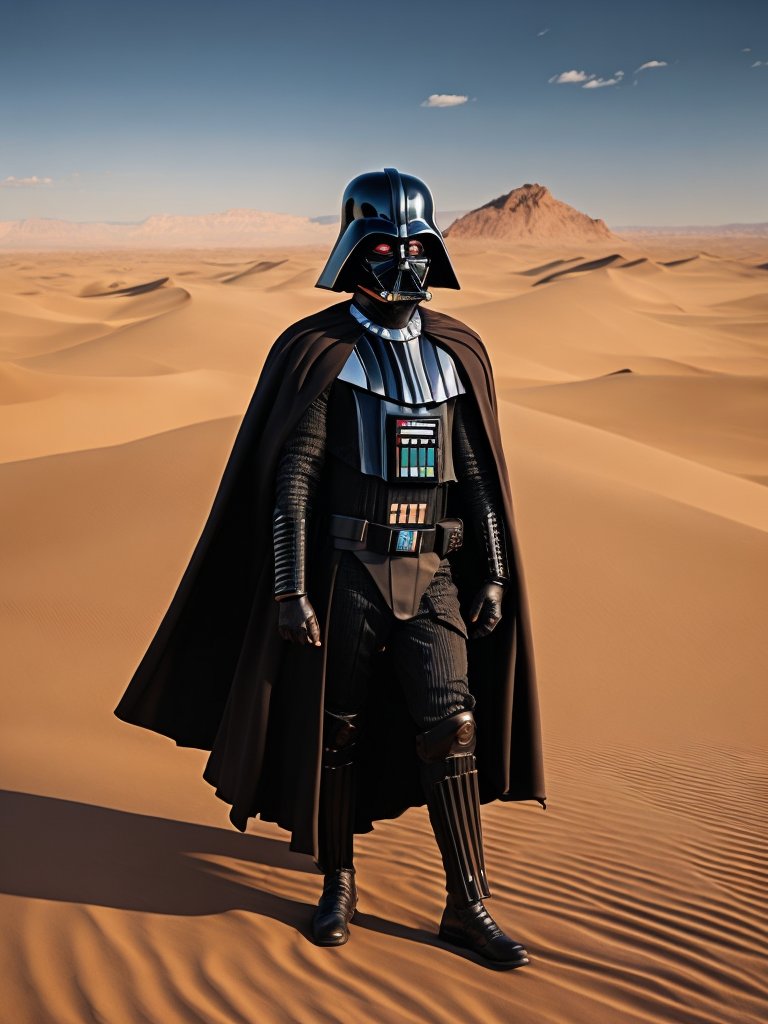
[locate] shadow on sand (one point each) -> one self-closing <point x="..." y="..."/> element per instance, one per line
<point x="80" y="853"/>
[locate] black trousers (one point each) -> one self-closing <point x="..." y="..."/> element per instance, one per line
<point x="428" y="652"/>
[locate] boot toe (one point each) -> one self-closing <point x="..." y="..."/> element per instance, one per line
<point x="330" y="931"/>
<point x="506" y="952"/>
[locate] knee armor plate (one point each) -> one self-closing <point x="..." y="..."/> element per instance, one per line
<point x="454" y="735"/>
<point x="340" y="736"/>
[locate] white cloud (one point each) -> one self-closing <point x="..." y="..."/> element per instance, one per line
<point x="600" y="83"/>
<point x="747" y="49"/>
<point x="759" y="64"/>
<point x="33" y="182"/>
<point x="441" y="99"/>
<point x="543" y="33"/>
<point x="589" y="81"/>
<point x="652" y="64"/>
<point x="571" y="76"/>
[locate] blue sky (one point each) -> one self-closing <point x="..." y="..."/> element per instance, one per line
<point x="194" y="107"/>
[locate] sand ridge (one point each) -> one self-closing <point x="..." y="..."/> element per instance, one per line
<point x="643" y="513"/>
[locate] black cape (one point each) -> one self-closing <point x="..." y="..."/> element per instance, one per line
<point x="217" y="675"/>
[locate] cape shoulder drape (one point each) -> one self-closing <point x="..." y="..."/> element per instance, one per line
<point x="217" y="675"/>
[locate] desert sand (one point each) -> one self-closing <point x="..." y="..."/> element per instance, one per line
<point x="633" y="401"/>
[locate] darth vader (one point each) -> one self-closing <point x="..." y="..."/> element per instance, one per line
<point x="351" y="635"/>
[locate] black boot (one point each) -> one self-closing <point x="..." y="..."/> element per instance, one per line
<point x="330" y="926"/>
<point x="472" y="927"/>
<point x="449" y="776"/>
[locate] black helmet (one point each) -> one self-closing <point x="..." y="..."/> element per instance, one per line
<point x="387" y="209"/>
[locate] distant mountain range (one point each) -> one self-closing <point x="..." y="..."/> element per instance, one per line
<point x="231" y="228"/>
<point x="526" y="214"/>
<point x="759" y="230"/>
<point x="163" y="231"/>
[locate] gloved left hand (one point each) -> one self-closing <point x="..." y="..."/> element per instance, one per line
<point x="485" y="611"/>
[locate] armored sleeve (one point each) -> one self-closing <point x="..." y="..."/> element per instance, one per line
<point x="298" y="479"/>
<point x="478" y="477"/>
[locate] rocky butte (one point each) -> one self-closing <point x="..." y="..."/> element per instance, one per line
<point x="531" y="214"/>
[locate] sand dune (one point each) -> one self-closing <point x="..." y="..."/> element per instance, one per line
<point x="258" y="268"/>
<point x="643" y="513"/>
<point x="581" y="268"/>
<point x="136" y="289"/>
<point x="720" y="420"/>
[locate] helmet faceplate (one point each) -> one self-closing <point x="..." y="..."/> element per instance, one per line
<point x="392" y="208"/>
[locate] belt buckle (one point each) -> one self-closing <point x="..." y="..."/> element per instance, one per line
<point x="407" y="542"/>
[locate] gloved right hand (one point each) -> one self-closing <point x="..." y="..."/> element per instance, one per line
<point x="485" y="612"/>
<point x="298" y="622"/>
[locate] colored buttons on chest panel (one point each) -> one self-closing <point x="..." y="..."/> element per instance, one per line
<point x="416" y="448"/>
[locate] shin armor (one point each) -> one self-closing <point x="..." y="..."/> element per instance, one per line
<point x="337" y="791"/>
<point x="449" y="776"/>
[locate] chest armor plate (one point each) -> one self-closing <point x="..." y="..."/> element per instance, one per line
<point x="404" y="393"/>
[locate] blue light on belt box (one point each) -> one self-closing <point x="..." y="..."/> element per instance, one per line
<point x="406" y="540"/>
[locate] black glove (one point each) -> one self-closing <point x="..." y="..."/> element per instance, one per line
<point x="486" y="609"/>
<point x="298" y="622"/>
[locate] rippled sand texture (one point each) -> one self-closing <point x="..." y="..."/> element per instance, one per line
<point x="640" y="893"/>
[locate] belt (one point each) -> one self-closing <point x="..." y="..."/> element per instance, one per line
<point x="361" y="535"/>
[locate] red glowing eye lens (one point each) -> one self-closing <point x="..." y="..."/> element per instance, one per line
<point x="415" y="248"/>
<point x="383" y="249"/>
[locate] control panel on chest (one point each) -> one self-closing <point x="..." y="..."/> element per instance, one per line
<point x="403" y="392"/>
<point x="416" y="447"/>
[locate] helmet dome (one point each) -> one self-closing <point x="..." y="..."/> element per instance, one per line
<point x="381" y="206"/>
